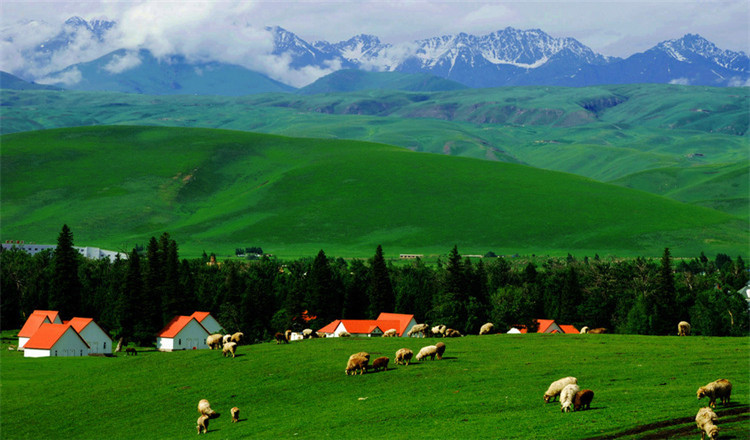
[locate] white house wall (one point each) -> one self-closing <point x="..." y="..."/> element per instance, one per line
<point x="96" y="338"/>
<point x="193" y="335"/>
<point x="211" y="324"/>
<point x="22" y="342"/>
<point x="35" y="353"/>
<point x="411" y="324"/>
<point x="69" y="344"/>
<point x="164" y="344"/>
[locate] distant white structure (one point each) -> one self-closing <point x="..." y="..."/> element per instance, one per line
<point x="93" y="253"/>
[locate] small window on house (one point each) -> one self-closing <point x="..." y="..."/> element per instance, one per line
<point x="105" y="346"/>
<point x="81" y="352"/>
<point x="55" y="352"/>
<point x="179" y="342"/>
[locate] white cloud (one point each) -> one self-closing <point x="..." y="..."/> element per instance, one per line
<point x="121" y="63"/>
<point x="738" y="82"/>
<point x="66" y="78"/>
<point x="680" y="81"/>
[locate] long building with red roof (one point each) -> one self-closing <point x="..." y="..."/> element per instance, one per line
<point x="370" y="327"/>
<point x="56" y="340"/>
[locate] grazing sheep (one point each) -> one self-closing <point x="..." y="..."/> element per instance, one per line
<point x="585" y="329"/>
<point x="566" y="396"/>
<point x="356" y="363"/>
<point x="419" y="328"/>
<point x="235" y="414"/>
<point x="451" y="333"/>
<point x="226" y="339"/>
<point x="597" y="331"/>
<point x="229" y="348"/>
<point x="705" y="420"/>
<point x="429" y="350"/>
<point x="487" y="329"/>
<point x="288" y="335"/>
<point x="582" y="400"/>
<point x="308" y="333"/>
<point x="363" y="354"/>
<point x="280" y="338"/>
<point x="440" y="349"/>
<point x="390" y="333"/>
<point x="131" y="351"/>
<point x="557" y="386"/>
<point x="214" y="341"/>
<point x="683" y="328"/>
<point x="203" y="424"/>
<point x="320" y="335"/>
<point x="718" y="389"/>
<point x="380" y="363"/>
<point x="403" y="356"/>
<point x="237" y="338"/>
<point x="343" y="334"/>
<point x="439" y="330"/>
<point x="205" y="409"/>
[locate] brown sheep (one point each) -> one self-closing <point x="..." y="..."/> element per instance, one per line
<point x="131" y="351"/>
<point x="440" y="349"/>
<point x="205" y="409"/>
<point x="380" y="363"/>
<point x="683" y="328"/>
<point x="238" y="338"/>
<point x="705" y="420"/>
<point x="356" y="363"/>
<point x="280" y="338"/>
<point x="235" y="414"/>
<point x="718" y="389"/>
<point x="229" y="348"/>
<point x="403" y="356"/>
<point x="582" y="400"/>
<point x="214" y="341"/>
<point x="598" y="331"/>
<point x="203" y="424"/>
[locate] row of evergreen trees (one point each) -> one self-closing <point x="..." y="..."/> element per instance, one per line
<point x="134" y="298"/>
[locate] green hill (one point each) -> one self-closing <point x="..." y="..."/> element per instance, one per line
<point x="218" y="190"/>
<point x="358" y="80"/>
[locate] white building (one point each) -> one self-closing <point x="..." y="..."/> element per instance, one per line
<point x="87" y="251"/>
<point x="33" y="322"/>
<point x="96" y="338"/>
<point x="208" y="322"/>
<point x="55" y="340"/>
<point x="182" y="333"/>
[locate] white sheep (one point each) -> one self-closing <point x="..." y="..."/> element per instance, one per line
<point x="429" y="350"/>
<point x="403" y="356"/>
<point x="226" y="339"/>
<point x="390" y="333"/>
<point x="205" y="409"/>
<point x="237" y="338"/>
<point x="235" y="414"/>
<point x="487" y="329"/>
<point x="439" y="330"/>
<point x="202" y="424"/>
<point x="229" y="348"/>
<point x="705" y="420"/>
<point x="683" y="328"/>
<point x="419" y="328"/>
<point x="214" y="341"/>
<point x="718" y="389"/>
<point x="567" y="395"/>
<point x="557" y="386"/>
<point x="585" y="329"/>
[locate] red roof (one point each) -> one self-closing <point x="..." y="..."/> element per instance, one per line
<point x="330" y="328"/>
<point x="402" y="321"/>
<point x="544" y="324"/>
<point x="361" y="326"/>
<point x="32" y="325"/>
<point x="48" y="335"/>
<point x="569" y="329"/>
<point x="200" y="316"/>
<point x="80" y="323"/>
<point x="176" y="325"/>
<point x="51" y="314"/>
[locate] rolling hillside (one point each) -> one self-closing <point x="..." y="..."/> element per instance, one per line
<point x="118" y="185"/>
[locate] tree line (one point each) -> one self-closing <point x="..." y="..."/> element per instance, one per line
<point x="135" y="297"/>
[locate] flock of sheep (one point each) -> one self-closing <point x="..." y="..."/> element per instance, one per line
<point x="358" y="362"/>
<point x="227" y="343"/>
<point x="206" y="414"/>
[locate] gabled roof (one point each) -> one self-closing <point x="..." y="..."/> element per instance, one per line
<point x="402" y="320"/>
<point x="569" y="329"/>
<point x="49" y="334"/>
<point x="330" y="328"/>
<point x="32" y="324"/>
<point x="79" y="323"/>
<point x="200" y="316"/>
<point x="51" y="314"/>
<point x="361" y="326"/>
<point x="544" y="324"/>
<point x="176" y="325"/>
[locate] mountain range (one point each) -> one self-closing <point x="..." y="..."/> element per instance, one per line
<point x="507" y="57"/>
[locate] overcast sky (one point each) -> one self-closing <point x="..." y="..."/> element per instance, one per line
<point x="616" y="28"/>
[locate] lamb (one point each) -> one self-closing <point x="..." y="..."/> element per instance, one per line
<point x="205" y="409"/>
<point x="486" y="329"/>
<point x="440" y="349"/>
<point x="419" y="328"/>
<point x="403" y="356"/>
<point x="235" y="414"/>
<point x="582" y="400"/>
<point x="202" y="424"/>
<point x="683" y="328"/>
<point x="439" y="330"/>
<point x="229" y="348"/>
<point x="390" y="333"/>
<point x="237" y="338"/>
<point x="705" y="420"/>
<point x="585" y="329"/>
<point x="380" y="363"/>
<point x="356" y="363"/>
<point x="451" y="333"/>
<point x="597" y="331"/>
<point x="429" y="350"/>
<point x="280" y="338"/>
<point x="214" y="341"/>
<point x="566" y="396"/>
<point x="718" y="389"/>
<point x="557" y="386"/>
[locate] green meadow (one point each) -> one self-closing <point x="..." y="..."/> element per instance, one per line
<point x="485" y="387"/>
<point x="216" y="190"/>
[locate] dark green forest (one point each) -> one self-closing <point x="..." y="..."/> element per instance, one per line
<point x="133" y="298"/>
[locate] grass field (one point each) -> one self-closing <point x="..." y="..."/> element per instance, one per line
<point x="217" y="190"/>
<point x="485" y="387"/>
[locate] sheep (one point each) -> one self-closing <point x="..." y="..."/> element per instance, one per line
<point x="718" y="389"/>
<point x="683" y="328"/>
<point x="582" y="400"/>
<point x="229" y="348"/>
<point x="202" y="424"/>
<point x="237" y="338"/>
<point x="205" y="409"/>
<point x="403" y="356"/>
<point x="566" y="396"/>
<point x="235" y="414"/>
<point x="451" y="333"/>
<point x="429" y="350"/>
<point x="419" y="328"/>
<point x="440" y="349"/>
<point x="363" y="354"/>
<point x="705" y="420"/>
<point x="557" y="386"/>
<point x="288" y="335"/>
<point x="585" y="329"/>
<point x="308" y="333"/>
<point x="225" y="339"/>
<point x="131" y="351"/>
<point x="356" y="363"/>
<point x="381" y="362"/>
<point x="439" y="330"/>
<point x="320" y="335"/>
<point x="487" y="329"/>
<point x="214" y="341"/>
<point x="390" y="333"/>
<point x="597" y="331"/>
<point x="280" y="338"/>
<point x="343" y="334"/>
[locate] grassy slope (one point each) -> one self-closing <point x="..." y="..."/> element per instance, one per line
<point x="218" y="190"/>
<point x="485" y="387"/>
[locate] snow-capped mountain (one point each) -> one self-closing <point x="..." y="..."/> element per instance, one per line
<point x="692" y="47"/>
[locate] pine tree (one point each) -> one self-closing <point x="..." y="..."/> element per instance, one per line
<point x="382" y="296"/>
<point x="665" y="298"/>
<point x="151" y="319"/>
<point x="65" y="296"/>
<point x="130" y="297"/>
<point x="323" y="298"/>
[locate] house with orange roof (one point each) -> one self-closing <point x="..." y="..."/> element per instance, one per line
<point x="548" y="326"/>
<point x="182" y="333"/>
<point x="404" y="322"/>
<point x="97" y="339"/>
<point x="55" y="340"/>
<point x="208" y="322"/>
<point x="30" y="327"/>
<point x="53" y="315"/>
<point x="371" y="327"/>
